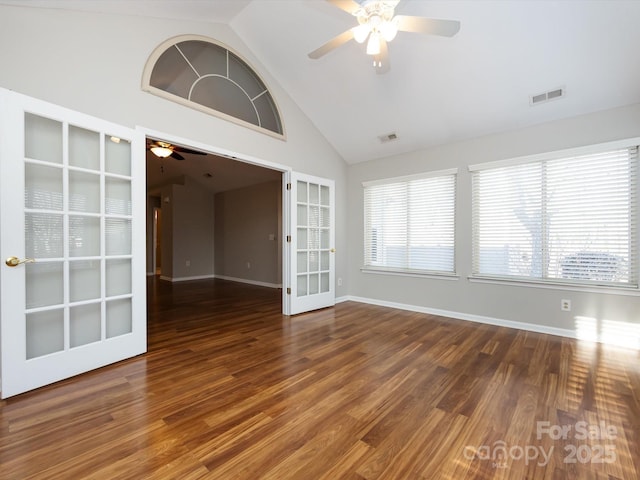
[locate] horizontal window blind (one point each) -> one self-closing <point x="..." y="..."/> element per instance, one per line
<point x="570" y="219"/>
<point x="409" y="224"/>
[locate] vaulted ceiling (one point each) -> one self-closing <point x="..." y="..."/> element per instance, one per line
<point x="438" y="90"/>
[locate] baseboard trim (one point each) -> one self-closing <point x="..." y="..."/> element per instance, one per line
<point x="344" y="298"/>
<point x="221" y="277"/>
<point x="561" y="332"/>
<point x="186" y="279"/>
<point x="247" y="281"/>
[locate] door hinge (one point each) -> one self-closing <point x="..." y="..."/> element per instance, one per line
<point x="288" y="238"/>
<point x="288" y="290"/>
<point x="288" y="186"/>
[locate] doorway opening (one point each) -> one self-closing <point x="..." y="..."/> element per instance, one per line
<point x="214" y="215"/>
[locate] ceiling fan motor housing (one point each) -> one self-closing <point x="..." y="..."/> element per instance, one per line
<point x="375" y="11"/>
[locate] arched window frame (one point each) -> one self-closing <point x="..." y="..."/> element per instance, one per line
<point x="171" y="42"/>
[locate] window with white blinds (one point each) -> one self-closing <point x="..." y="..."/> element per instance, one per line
<point x="560" y="220"/>
<point x="410" y="224"/>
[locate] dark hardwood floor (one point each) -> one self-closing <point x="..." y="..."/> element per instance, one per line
<point x="231" y="389"/>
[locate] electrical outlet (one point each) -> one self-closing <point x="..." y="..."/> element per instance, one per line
<point x="565" y="305"/>
<point x="339" y="281"/>
<point x="248" y="265"/>
<point x="188" y="263"/>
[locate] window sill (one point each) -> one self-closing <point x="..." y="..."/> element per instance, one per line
<point x="411" y="273"/>
<point x="519" y="282"/>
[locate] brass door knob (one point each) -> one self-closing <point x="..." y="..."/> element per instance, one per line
<point x="15" y="261"/>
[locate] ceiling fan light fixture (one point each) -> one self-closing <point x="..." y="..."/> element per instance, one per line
<point x="361" y="32"/>
<point x="161" y="152"/>
<point x="374" y="21"/>
<point x="389" y="29"/>
<point x="373" y="45"/>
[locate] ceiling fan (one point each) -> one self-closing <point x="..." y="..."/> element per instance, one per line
<point x="377" y="22"/>
<point x="165" y="149"/>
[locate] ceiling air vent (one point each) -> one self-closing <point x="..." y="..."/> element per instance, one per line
<point x="546" y="96"/>
<point x="389" y="137"/>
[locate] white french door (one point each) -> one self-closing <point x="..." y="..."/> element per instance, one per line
<point x="312" y="227"/>
<point x="72" y="239"/>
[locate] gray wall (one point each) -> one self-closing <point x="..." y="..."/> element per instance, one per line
<point x="532" y="305"/>
<point x="192" y="218"/>
<point x="93" y="63"/>
<point x="187" y="230"/>
<point x="245" y="219"/>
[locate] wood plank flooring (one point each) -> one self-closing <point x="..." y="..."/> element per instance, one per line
<point x="231" y="389"/>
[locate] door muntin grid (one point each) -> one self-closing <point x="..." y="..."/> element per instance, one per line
<point x="313" y="211"/>
<point x="77" y="220"/>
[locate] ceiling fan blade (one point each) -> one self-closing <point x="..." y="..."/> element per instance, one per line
<point x="177" y="156"/>
<point x="382" y="59"/>
<point x="335" y="42"/>
<point x="349" y="6"/>
<point x="431" y="26"/>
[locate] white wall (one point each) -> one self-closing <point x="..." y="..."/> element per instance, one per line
<point x="93" y="63"/>
<point x="537" y="306"/>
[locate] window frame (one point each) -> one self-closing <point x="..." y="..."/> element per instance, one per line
<point x="405" y="271"/>
<point x="171" y="42"/>
<point x="633" y="288"/>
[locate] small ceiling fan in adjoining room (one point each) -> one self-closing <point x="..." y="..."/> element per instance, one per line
<point x="377" y="25"/>
<point x="165" y="149"/>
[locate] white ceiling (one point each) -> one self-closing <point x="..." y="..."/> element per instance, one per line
<point x="439" y="89"/>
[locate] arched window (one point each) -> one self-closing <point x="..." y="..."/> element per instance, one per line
<point x="197" y="72"/>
